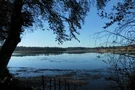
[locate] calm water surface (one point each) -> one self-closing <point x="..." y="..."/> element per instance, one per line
<point x="97" y="69"/>
<point x="42" y="64"/>
<point x="64" y="61"/>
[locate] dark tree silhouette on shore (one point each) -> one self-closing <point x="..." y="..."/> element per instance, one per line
<point x="16" y="16"/>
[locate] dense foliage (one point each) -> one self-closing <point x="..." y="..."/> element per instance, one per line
<point x="58" y="14"/>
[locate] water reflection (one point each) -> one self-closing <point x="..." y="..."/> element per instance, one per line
<point x="36" y="54"/>
<point x="121" y="73"/>
<point x="64" y="61"/>
<point x="45" y="53"/>
<point x="107" y="71"/>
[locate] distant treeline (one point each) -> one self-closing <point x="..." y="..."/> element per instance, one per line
<point x="32" y="51"/>
<point x="75" y="49"/>
<point x="39" y="49"/>
<point x="48" y="49"/>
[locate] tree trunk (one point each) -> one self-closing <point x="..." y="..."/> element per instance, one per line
<point x="13" y="37"/>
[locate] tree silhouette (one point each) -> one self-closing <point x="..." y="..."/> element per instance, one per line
<point x="16" y="16"/>
<point x="123" y="17"/>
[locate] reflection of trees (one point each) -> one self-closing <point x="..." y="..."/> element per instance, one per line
<point x="38" y="54"/>
<point x="121" y="72"/>
<point x="45" y="53"/>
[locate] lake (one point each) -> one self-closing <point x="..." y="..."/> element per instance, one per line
<point x="87" y="61"/>
<point x="98" y="69"/>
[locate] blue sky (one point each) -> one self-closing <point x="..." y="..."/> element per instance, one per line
<point x="93" y="23"/>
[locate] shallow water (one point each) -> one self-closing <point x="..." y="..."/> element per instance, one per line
<point x="95" y="68"/>
<point x="63" y="61"/>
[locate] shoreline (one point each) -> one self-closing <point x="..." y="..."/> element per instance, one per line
<point x="81" y="79"/>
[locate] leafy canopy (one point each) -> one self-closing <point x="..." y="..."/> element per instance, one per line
<point x="120" y="13"/>
<point x="59" y="14"/>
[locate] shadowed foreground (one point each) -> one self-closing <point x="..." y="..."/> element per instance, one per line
<point x="7" y="82"/>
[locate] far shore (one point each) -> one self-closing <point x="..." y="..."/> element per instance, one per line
<point x="59" y="50"/>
